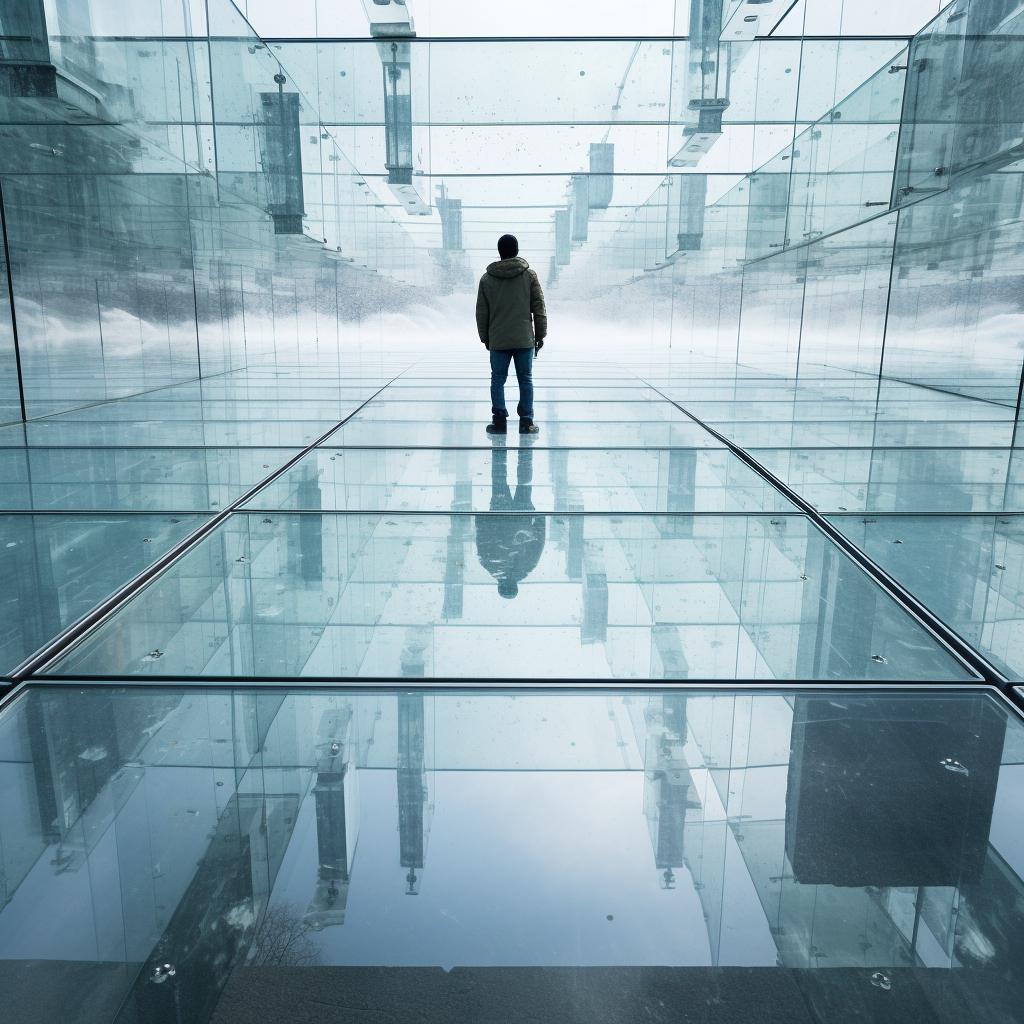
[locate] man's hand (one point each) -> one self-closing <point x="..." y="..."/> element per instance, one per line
<point x="537" y="346"/>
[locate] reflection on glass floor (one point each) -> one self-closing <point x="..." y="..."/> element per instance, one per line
<point x="55" y="568"/>
<point x="969" y="569"/>
<point x="179" y="854"/>
<point x="511" y="593"/>
<point x="640" y="546"/>
<point x="559" y="479"/>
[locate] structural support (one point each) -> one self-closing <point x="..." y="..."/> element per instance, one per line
<point x="10" y="296"/>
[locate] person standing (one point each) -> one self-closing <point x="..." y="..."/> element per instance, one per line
<point x="512" y="323"/>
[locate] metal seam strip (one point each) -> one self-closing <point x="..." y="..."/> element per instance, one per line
<point x="101" y="612"/>
<point x="970" y="658"/>
<point x="402" y="684"/>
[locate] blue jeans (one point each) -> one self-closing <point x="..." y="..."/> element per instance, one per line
<point x="524" y="374"/>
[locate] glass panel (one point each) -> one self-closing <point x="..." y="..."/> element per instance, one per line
<point x="392" y="595"/>
<point x="54" y="568"/>
<point x="773" y="296"/>
<point x="845" y="300"/>
<point x="967" y="569"/>
<point x="132" y="479"/>
<point x="401" y="424"/>
<point x="930" y="109"/>
<point x="897" y="479"/>
<point x="946" y="307"/>
<point x="558" y="480"/>
<point x="333" y="848"/>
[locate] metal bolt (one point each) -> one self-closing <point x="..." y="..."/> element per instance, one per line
<point x="162" y="972"/>
<point x="880" y="980"/>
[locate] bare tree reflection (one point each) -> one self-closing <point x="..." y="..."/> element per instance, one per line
<point x="283" y="940"/>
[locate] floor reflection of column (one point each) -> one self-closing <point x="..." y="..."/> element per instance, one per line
<point x="837" y="618"/>
<point x="28" y="590"/>
<point x="897" y="858"/>
<point x="883" y="861"/>
<point x="412" y="789"/>
<point x="336" y="820"/>
<point x="458" y="530"/>
<point x="567" y="532"/>
<point x="667" y="658"/>
<point x="679" y="834"/>
<point x="184" y="975"/>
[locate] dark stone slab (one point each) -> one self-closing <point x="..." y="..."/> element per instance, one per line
<point x="511" y="995"/>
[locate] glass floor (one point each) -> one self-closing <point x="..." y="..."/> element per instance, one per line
<point x="629" y="741"/>
<point x="735" y="526"/>
<point x="184" y="853"/>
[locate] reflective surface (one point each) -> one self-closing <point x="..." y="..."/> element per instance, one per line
<point x="433" y="553"/>
<point x="968" y="569"/>
<point x="54" y="568"/>
<point x="801" y="856"/>
<point x="479" y="557"/>
<point x="512" y="593"/>
<point x="781" y="252"/>
<point x="800" y="227"/>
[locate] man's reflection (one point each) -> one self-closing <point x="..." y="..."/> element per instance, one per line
<point x="510" y="546"/>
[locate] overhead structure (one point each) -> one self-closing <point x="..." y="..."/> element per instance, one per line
<point x="747" y="19"/>
<point x="707" y="88"/>
<point x="392" y="20"/>
<point x="389" y="18"/>
<point x="282" y="157"/>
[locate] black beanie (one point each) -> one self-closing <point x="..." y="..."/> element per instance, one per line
<point x="508" y="247"/>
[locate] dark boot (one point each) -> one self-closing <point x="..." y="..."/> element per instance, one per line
<point x="528" y="427"/>
<point x="499" y="425"/>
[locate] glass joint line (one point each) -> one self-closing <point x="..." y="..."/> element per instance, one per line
<point x="100" y="612"/>
<point x="942" y="633"/>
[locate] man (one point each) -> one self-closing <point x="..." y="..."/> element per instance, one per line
<point x="509" y="295"/>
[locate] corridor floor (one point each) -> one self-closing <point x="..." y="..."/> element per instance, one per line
<point x="683" y="524"/>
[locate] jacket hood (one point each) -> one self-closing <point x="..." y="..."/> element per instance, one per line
<point x="508" y="268"/>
